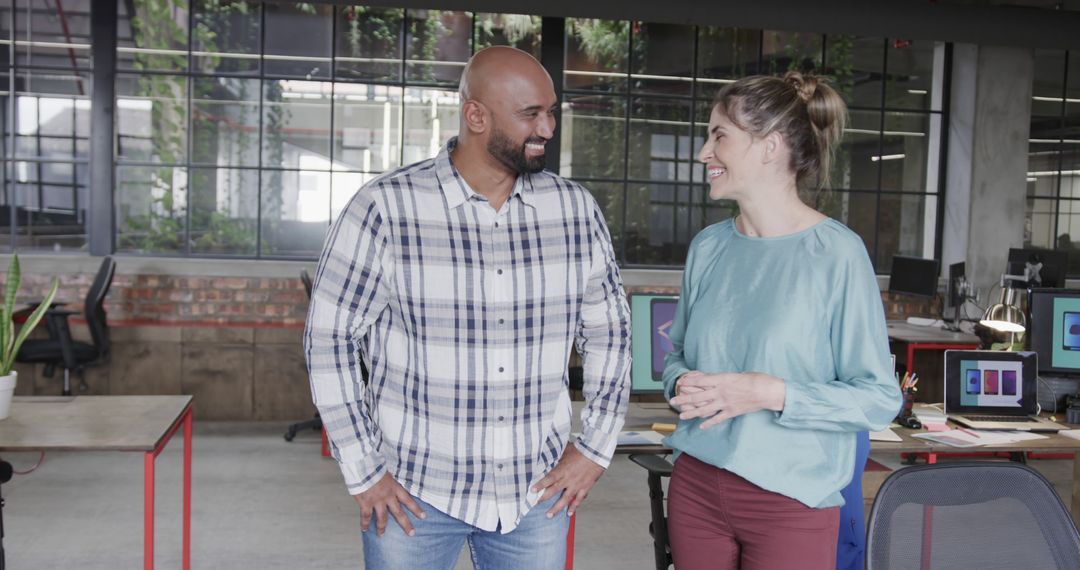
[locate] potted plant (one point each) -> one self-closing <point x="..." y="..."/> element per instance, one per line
<point x="9" y="341"/>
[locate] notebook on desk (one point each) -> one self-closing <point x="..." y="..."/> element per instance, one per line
<point x="994" y="390"/>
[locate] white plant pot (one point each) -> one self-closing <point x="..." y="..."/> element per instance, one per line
<point x="7" y="390"/>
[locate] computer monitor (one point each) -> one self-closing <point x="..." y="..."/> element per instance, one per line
<point x="1054" y="329"/>
<point x="650" y="320"/>
<point x="954" y="294"/>
<point x="914" y="276"/>
<point x="1042" y="267"/>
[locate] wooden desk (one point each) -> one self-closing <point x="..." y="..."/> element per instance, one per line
<point x="928" y="338"/>
<point x="642" y="415"/>
<point x="108" y="423"/>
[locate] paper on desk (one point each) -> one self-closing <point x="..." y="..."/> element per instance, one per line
<point x="644" y="437"/>
<point x="1073" y="433"/>
<point x="886" y="434"/>
<point x="976" y="438"/>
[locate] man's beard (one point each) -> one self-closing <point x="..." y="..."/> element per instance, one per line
<point x="503" y="149"/>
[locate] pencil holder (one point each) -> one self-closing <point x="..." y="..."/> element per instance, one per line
<point x="909" y="400"/>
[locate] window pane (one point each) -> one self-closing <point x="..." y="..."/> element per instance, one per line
<point x="224" y="206"/>
<point x="854" y="166"/>
<point x="285" y="24"/>
<point x="49" y="217"/>
<point x="1073" y="89"/>
<point x="1068" y="226"/>
<point x="296" y="124"/>
<point x="54" y="41"/>
<point x="725" y="54"/>
<point x="1070" y="168"/>
<point x="1039" y="223"/>
<point x="45" y="125"/>
<point x="296" y="212"/>
<point x="151" y="118"/>
<point x="367" y="127"/>
<point x="369" y="43"/>
<point x="593" y="137"/>
<point x="906" y="149"/>
<point x="856" y="210"/>
<point x="609" y="196"/>
<point x="658" y="226"/>
<point x="790" y="51"/>
<point x="517" y="30"/>
<point x="225" y="121"/>
<point x="437" y="44"/>
<point x="226" y="36"/>
<point x="663" y="59"/>
<point x="906" y="226"/>
<point x="854" y="64"/>
<point x="911" y="74"/>
<point x="660" y="140"/>
<point x="1048" y="83"/>
<point x="150" y="209"/>
<point x="1044" y="157"/>
<point x="431" y="118"/>
<point x="597" y="54"/>
<point x="156" y="37"/>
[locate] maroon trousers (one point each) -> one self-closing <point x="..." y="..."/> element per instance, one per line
<point x="717" y="519"/>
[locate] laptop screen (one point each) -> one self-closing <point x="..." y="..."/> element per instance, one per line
<point x="990" y="382"/>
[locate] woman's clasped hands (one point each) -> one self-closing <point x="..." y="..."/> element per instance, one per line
<point x="726" y="395"/>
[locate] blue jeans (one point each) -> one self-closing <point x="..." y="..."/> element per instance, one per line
<point x="537" y="542"/>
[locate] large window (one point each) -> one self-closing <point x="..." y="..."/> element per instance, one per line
<point x="638" y="97"/>
<point x="45" y="85"/>
<point x="242" y="127"/>
<point x="1053" y="178"/>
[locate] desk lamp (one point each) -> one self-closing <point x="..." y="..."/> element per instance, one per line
<point x="1006" y="315"/>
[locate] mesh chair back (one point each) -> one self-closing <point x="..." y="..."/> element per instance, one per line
<point x="94" y="308"/>
<point x="970" y="515"/>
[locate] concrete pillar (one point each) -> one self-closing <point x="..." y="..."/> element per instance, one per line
<point x="989" y="123"/>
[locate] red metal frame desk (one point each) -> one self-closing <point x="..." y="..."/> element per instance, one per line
<point x="928" y="338"/>
<point x="108" y="423"/>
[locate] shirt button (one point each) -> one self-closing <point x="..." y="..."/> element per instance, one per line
<point x="500" y="369"/>
<point x="500" y="466"/>
<point x="499" y="272"/>
<point x="502" y="418"/>
<point x="502" y="321"/>
<point x="496" y="224"/>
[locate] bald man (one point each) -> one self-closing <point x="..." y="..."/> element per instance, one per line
<point x="463" y="281"/>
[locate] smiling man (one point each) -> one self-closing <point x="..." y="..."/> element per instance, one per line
<point x="463" y="282"/>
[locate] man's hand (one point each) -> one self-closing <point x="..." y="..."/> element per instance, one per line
<point x="384" y="497"/>
<point x="728" y="395"/>
<point x="574" y="475"/>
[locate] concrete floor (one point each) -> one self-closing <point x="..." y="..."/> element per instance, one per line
<point x="261" y="503"/>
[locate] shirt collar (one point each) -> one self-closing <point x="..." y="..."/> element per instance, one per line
<point x="457" y="191"/>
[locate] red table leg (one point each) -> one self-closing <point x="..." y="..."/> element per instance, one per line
<point x="325" y="444"/>
<point x="148" y="493"/>
<point x="570" y="544"/>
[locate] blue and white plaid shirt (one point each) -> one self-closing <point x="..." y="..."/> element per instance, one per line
<point x="465" y="317"/>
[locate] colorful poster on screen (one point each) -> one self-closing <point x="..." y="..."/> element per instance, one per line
<point x="651" y="317"/>
<point x="991" y="383"/>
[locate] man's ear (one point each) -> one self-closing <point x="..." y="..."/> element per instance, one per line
<point x="476" y="116"/>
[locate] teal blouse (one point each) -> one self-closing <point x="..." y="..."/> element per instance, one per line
<point x="805" y="308"/>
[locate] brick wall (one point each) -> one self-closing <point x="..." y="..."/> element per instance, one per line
<point x="179" y="299"/>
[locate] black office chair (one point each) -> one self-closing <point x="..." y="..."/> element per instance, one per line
<point x="970" y="515"/>
<point x="60" y="349"/>
<point x="658" y="468"/>
<point x="314" y="423"/>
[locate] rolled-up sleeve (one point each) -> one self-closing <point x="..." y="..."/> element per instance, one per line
<point x="353" y="285"/>
<point x="603" y="341"/>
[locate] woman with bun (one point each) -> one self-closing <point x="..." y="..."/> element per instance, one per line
<point x="781" y="355"/>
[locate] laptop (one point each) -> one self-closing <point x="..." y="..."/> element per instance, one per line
<point x="994" y="390"/>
